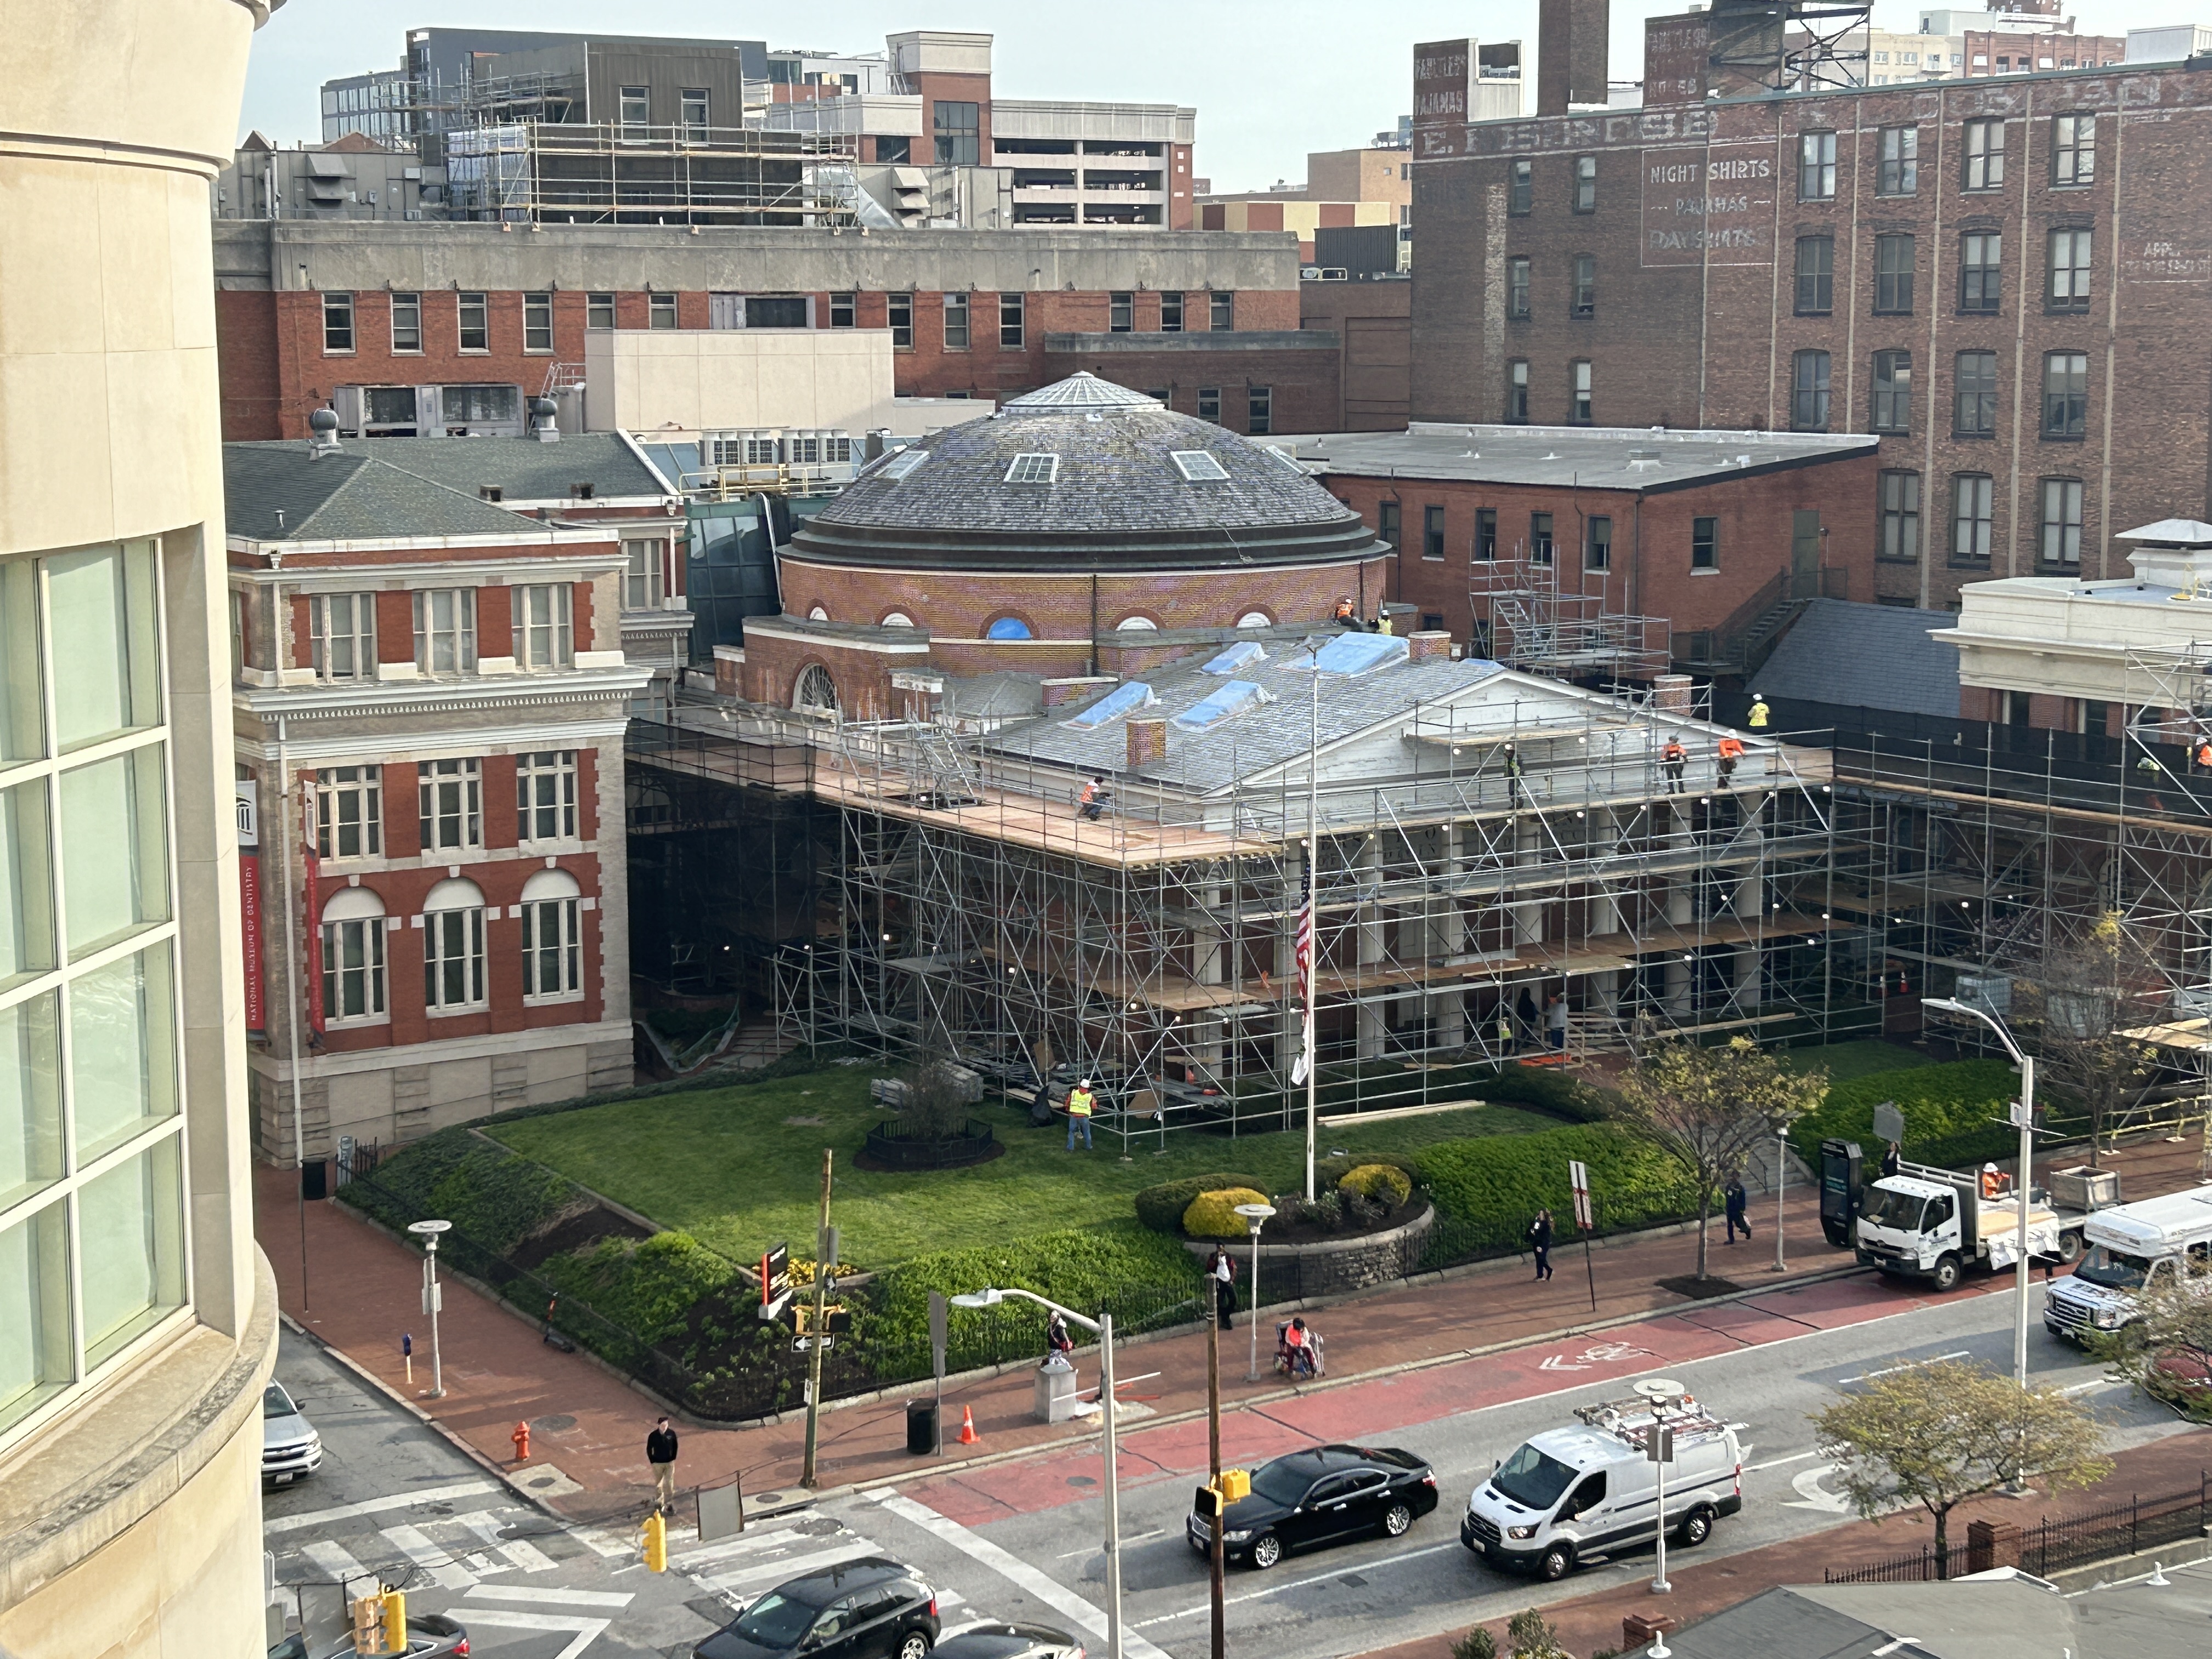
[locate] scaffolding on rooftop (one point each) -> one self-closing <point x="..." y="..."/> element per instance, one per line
<point x="1533" y="616"/>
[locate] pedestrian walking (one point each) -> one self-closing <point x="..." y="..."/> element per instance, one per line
<point x="1081" y="1102"/>
<point x="1057" y="1342"/>
<point x="1758" y="713"/>
<point x="1736" y="1202"/>
<point x="1672" y="760"/>
<point x="1221" y="1269"/>
<point x="660" y="1452"/>
<point x="1731" y="751"/>
<point x="1555" y="1022"/>
<point x="1539" y="1240"/>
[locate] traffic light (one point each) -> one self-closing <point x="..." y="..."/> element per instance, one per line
<point x="656" y="1542"/>
<point x="1207" y="1502"/>
<point x="395" y="1620"/>
<point x="1235" y="1485"/>
<point x="368" y="1625"/>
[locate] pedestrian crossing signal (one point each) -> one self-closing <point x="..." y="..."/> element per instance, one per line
<point x="379" y="1623"/>
<point x="656" y="1542"/>
<point x="1236" y="1486"/>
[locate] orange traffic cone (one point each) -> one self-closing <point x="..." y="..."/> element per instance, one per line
<point x="968" y="1435"/>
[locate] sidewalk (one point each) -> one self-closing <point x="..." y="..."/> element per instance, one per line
<point x="588" y="1425"/>
<point x="1701" y="1589"/>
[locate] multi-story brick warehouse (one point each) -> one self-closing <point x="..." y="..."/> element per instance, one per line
<point x="483" y="316"/>
<point x="2006" y="280"/>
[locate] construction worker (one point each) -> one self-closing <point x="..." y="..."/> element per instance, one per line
<point x="1092" y="800"/>
<point x="1081" y="1102"/>
<point x="1382" y="624"/>
<point x="1758" y="712"/>
<point x="2202" y="753"/>
<point x="1731" y="751"/>
<point x="1513" y="776"/>
<point x="1672" y="760"/>
<point x="1346" y="617"/>
<point x="1993" y="1181"/>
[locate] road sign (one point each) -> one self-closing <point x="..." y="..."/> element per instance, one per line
<point x="1659" y="1444"/>
<point x="1888" y="1121"/>
<point x="775" y="1273"/>
<point x="1578" y="1178"/>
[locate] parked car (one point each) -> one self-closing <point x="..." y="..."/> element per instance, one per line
<point x="430" y="1635"/>
<point x="290" y="1445"/>
<point x="1322" y="1496"/>
<point x="872" y="1608"/>
<point x="1011" y="1642"/>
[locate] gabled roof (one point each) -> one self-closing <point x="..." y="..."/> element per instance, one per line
<point x="1865" y="656"/>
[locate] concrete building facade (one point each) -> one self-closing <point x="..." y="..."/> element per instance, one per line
<point x="137" y="1319"/>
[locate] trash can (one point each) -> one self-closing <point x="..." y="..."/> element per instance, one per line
<point x="1055" y="1391"/>
<point x="921" y="1427"/>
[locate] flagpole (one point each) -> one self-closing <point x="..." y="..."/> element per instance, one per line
<point x="1313" y="856"/>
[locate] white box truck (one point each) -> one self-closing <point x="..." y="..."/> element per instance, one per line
<point x="1930" y="1223"/>
<point x="2130" y="1245"/>
<point x="1569" y="1494"/>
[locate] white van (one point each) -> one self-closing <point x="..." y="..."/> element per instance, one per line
<point x="1569" y="1494"/>
<point x="2130" y="1245"/>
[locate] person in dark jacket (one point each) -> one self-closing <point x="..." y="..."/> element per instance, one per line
<point x="1736" y="1202"/>
<point x="1221" y="1274"/>
<point x="660" y="1452"/>
<point x="1539" y="1242"/>
<point x="1893" y="1161"/>
<point x="1524" y="1013"/>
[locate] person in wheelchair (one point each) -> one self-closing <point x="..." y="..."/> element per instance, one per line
<point x="1297" y="1350"/>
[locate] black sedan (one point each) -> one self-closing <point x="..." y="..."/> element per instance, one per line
<point x="1010" y="1642"/>
<point x="1322" y="1496"/>
<point x="873" y="1609"/>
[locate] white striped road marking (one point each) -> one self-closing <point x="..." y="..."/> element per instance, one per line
<point x="599" y="1544"/>
<point x="751" y="1541"/>
<point x="1777" y="1462"/>
<point x="548" y="1593"/>
<point x="445" y="1571"/>
<point x="334" y="1560"/>
<point x="797" y="1566"/>
<point x="1292" y="1584"/>
<point x="1053" y="1594"/>
<point x="519" y="1552"/>
<point x="1910" y="1365"/>
<point x="586" y="1631"/>
<point x="376" y="1506"/>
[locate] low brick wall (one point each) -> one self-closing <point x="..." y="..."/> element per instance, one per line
<point x="1331" y="1266"/>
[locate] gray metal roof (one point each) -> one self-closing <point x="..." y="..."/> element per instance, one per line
<point x="379" y="488"/>
<point x="1865" y="656"/>
<point x="1082" y="390"/>
<point x="1646" y="460"/>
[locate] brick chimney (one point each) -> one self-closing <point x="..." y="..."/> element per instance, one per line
<point x="1432" y="642"/>
<point x="1571" y="53"/>
<point x="1672" y="693"/>
<point x="1148" y="742"/>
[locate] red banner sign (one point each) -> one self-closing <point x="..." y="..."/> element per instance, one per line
<point x="313" y="908"/>
<point x="249" y="917"/>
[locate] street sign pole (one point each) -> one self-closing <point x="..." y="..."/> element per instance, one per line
<point x="939" y="1319"/>
<point x="1578" y="1178"/>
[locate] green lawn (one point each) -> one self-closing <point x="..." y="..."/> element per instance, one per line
<point x="728" y="1166"/>
<point x="1846" y="1061"/>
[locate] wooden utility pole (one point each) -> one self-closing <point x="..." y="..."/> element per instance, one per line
<point x="1214" y="1556"/>
<point x="825" y="1264"/>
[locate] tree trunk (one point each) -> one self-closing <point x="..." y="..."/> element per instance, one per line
<point x="1943" y="1542"/>
<point x="1704" y="1214"/>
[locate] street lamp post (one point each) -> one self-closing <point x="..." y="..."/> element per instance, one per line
<point x="1781" y="1182"/>
<point x="1661" y="1392"/>
<point x="1255" y="1216"/>
<point x="2026" y="1113"/>
<point x="433" y="1295"/>
<point x="1103" y="1325"/>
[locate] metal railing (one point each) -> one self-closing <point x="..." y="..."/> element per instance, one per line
<point x="2057" y="1544"/>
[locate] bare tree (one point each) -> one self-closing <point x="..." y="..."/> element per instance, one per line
<point x="1939" y="1433"/>
<point x="1709" y="1109"/>
<point x="2079" y="1006"/>
<point x="935" y="1105"/>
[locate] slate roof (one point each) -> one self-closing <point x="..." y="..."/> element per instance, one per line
<point x="1865" y="656"/>
<point x="1117" y="494"/>
<point x="378" y="488"/>
<point x="1594" y="458"/>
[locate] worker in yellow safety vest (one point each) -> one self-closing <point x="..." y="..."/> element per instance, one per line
<point x="1080" y="1104"/>
<point x="1758" y="713"/>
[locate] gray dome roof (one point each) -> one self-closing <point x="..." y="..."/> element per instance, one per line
<point x="1088" y="473"/>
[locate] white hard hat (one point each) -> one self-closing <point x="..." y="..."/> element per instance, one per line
<point x="1086" y="1084"/>
<point x="1989" y="1169"/>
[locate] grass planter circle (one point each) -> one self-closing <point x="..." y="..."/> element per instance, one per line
<point x="889" y="1147"/>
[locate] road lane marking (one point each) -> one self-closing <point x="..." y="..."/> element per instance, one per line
<point x="1133" y="1538"/>
<point x="750" y="1542"/>
<point x="1910" y="1365"/>
<point x="797" y="1566"/>
<point x="1051" y="1592"/>
<point x="586" y="1631"/>
<point x="1300" y="1583"/>
<point x="333" y="1560"/>
<point x="378" y="1506"/>
<point x="547" y="1592"/>
<point x="1808" y="1488"/>
<point x="446" y="1572"/>
<point x="519" y="1552"/>
<point x="1777" y="1462"/>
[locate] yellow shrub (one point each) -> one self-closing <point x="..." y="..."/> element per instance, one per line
<point x="1213" y="1215"/>
<point x="1378" y="1181"/>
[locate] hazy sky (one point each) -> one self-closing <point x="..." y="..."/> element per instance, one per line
<point x="1269" y="82"/>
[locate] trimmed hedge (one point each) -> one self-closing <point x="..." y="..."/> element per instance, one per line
<point x="1378" y="1181"/>
<point x="1331" y="1171"/>
<point x="1948" y="1108"/>
<point x="1487" y="1191"/>
<point x="496" y="1197"/>
<point x="1547" y="1089"/>
<point x="1213" y="1215"/>
<point x="647" y="1285"/>
<point x="1161" y="1207"/>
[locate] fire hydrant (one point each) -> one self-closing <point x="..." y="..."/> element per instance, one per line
<point x="521" y="1442"/>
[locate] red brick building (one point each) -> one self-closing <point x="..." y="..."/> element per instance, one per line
<point x="1372" y="321"/>
<point x="2006" y="279"/>
<point x="464" y="323"/>
<point x="431" y="691"/>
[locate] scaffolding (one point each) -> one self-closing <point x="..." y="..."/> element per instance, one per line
<point x="550" y="171"/>
<point x="1543" y="852"/>
<point x="1530" y="616"/>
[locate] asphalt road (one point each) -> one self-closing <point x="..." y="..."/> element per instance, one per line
<point x="393" y="1497"/>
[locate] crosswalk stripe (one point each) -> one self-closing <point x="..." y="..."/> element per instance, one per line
<point x="519" y="1552"/>
<point x="445" y="1572"/>
<point x="1012" y="1568"/>
<point x="333" y="1560"/>
<point x="548" y="1595"/>
<point x="599" y="1544"/>
<point x="769" y="1572"/>
<point x="753" y="1540"/>
<point x="376" y="1506"/>
<point x="586" y="1631"/>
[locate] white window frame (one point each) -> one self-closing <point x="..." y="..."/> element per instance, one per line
<point x="349" y="915"/>
<point x="342" y="625"/>
<point x="338" y="320"/>
<point x="545" y="786"/>
<point x="360" y="788"/>
<point x="955" y="321"/>
<point x="645" y="579"/>
<point x="1033" y="469"/>
<point x="450" y="792"/>
<point x="537" y="324"/>
<point x="445" y="630"/>
<point x="407" y="334"/>
<point x="633" y="111"/>
<point x="552" y="938"/>
<point x="478" y="306"/>
<point x="453" y="937"/>
<point x="544" y="626"/>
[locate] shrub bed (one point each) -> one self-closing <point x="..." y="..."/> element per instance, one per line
<point x="1213" y="1215"/>
<point x="1161" y="1208"/>
<point x="1948" y="1111"/>
<point x="1486" y="1192"/>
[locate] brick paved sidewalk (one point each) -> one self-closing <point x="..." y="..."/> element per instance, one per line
<point x="590" y="1424"/>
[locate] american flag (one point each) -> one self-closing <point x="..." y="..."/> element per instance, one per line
<point x="1302" y="950"/>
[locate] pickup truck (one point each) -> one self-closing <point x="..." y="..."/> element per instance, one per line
<point x="1930" y="1223"/>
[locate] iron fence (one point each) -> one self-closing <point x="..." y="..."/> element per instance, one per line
<point x="2060" y="1543"/>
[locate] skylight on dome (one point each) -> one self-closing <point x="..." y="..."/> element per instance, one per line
<point x="1033" y="470"/>
<point x="1121" y="699"/>
<point x="903" y="463"/>
<point x="1219" y="704"/>
<point x="1359" y="654"/>
<point x="1236" y="656"/>
<point x="1198" y="466"/>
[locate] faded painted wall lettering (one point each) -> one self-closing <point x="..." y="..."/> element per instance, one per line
<point x="1685" y="220"/>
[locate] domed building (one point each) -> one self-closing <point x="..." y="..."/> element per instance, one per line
<point x="1083" y="529"/>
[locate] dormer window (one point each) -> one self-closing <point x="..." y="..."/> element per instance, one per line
<point x="1033" y="470"/>
<point x="1198" y="466"/>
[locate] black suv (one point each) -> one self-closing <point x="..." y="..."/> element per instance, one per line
<point x="1322" y="1496"/>
<point x="868" y="1609"/>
